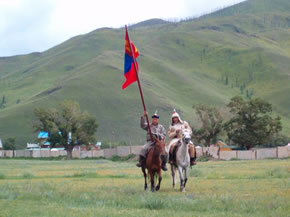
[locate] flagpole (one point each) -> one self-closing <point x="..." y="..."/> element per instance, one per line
<point x="139" y="85"/>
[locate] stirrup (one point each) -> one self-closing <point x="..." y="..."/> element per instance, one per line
<point x="139" y="164"/>
<point x="164" y="168"/>
<point x="192" y="162"/>
<point x="171" y="158"/>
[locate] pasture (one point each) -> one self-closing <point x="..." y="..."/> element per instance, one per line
<point x="59" y="188"/>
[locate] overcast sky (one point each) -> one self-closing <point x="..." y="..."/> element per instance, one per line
<point x="36" y="25"/>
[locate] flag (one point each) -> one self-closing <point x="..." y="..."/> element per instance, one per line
<point x="129" y="69"/>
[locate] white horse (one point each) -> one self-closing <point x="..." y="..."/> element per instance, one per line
<point x="182" y="160"/>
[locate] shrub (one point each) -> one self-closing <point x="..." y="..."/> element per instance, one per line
<point x="278" y="172"/>
<point x="2" y="176"/>
<point x="153" y="202"/>
<point x="118" y="158"/>
<point x="203" y="158"/>
<point x="195" y="173"/>
<point x="27" y="175"/>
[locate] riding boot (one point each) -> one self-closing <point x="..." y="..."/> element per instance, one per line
<point x="170" y="158"/>
<point x="141" y="161"/>
<point x="163" y="164"/>
<point x="192" y="161"/>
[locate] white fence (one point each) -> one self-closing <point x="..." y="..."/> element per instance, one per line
<point x="255" y="154"/>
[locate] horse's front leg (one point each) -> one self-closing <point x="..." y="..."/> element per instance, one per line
<point x="185" y="176"/>
<point x="173" y="175"/>
<point x="159" y="180"/>
<point x="152" y="181"/>
<point x="180" y="171"/>
<point x="145" y="177"/>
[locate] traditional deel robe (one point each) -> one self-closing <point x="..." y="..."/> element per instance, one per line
<point x="174" y="136"/>
<point x="158" y="130"/>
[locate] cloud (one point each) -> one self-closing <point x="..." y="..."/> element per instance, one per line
<point x="23" y="26"/>
<point x="86" y="15"/>
<point x="34" y="25"/>
<point x="198" y="8"/>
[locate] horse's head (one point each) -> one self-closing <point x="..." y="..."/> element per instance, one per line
<point x="186" y="135"/>
<point x="159" y="144"/>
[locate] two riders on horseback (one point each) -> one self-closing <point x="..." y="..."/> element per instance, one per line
<point x="175" y="134"/>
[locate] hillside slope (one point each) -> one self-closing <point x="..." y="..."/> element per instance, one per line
<point x="206" y="60"/>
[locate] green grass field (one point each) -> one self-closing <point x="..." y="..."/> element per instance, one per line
<point x="105" y="188"/>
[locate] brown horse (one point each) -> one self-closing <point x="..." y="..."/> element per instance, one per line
<point x="153" y="164"/>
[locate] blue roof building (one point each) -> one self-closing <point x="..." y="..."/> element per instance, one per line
<point x="43" y="135"/>
<point x="42" y="138"/>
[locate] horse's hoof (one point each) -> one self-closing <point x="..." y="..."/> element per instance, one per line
<point x="152" y="189"/>
<point x="182" y="189"/>
<point x="157" y="188"/>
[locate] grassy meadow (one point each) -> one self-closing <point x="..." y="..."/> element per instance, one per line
<point x="31" y="188"/>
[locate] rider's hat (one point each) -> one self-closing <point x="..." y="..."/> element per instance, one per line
<point x="175" y="115"/>
<point x="156" y="115"/>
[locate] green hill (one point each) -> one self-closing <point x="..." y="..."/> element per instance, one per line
<point x="243" y="49"/>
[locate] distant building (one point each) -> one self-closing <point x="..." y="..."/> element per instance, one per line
<point x="91" y="147"/>
<point x="43" y="142"/>
<point x="32" y="146"/>
<point x="76" y="148"/>
<point x="98" y="145"/>
<point x="43" y="139"/>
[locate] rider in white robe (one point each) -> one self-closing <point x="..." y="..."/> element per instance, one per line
<point x="175" y="134"/>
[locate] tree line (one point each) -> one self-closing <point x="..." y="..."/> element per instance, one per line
<point x="250" y="124"/>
